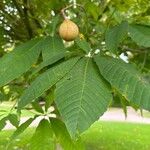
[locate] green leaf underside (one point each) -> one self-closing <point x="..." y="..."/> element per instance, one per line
<point x="126" y="80"/>
<point x="140" y="34"/>
<point x="116" y="35"/>
<point x="63" y="136"/>
<point x="19" y="61"/>
<point x="43" y="137"/>
<point x="53" y="46"/>
<point x="82" y="97"/>
<point x="45" y="81"/>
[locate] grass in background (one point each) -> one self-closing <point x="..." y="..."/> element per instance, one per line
<point x="20" y="143"/>
<point x="117" y="136"/>
<point x="101" y="136"/>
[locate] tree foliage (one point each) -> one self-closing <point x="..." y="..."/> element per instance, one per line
<point x="80" y="78"/>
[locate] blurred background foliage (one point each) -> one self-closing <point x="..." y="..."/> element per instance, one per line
<point x="22" y="20"/>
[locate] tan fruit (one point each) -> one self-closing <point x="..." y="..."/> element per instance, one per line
<point x="68" y="30"/>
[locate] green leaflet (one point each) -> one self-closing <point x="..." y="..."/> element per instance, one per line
<point x="92" y="9"/>
<point x="116" y="35"/>
<point x="43" y="137"/>
<point x="36" y="105"/>
<point x="55" y="21"/>
<point x="140" y="34"/>
<point x="63" y="136"/>
<point x="51" y="28"/>
<point x="53" y="47"/>
<point x="82" y="96"/>
<point x="45" y="81"/>
<point x="126" y="80"/>
<point x="49" y="98"/>
<point x="3" y="123"/>
<point x="22" y="128"/>
<point x="19" y="61"/>
<point x="83" y="45"/>
<point x="13" y="118"/>
<point x="49" y="61"/>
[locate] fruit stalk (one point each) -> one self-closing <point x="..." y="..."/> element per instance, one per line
<point x="63" y="10"/>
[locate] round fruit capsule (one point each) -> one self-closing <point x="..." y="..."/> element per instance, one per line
<point x="68" y="30"/>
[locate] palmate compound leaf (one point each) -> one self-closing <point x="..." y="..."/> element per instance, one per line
<point x="20" y="60"/>
<point x="82" y="96"/>
<point x="140" y="34"/>
<point x="45" y="81"/>
<point x="126" y="79"/>
<point x="43" y="137"/>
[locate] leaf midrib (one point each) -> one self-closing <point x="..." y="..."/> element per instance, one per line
<point x="54" y="82"/>
<point x="129" y="72"/>
<point x="131" y="75"/>
<point x="82" y="90"/>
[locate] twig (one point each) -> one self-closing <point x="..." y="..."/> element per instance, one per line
<point x="125" y="48"/>
<point x="69" y="6"/>
<point x="72" y="5"/>
<point x="13" y="106"/>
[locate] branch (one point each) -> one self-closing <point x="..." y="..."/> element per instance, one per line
<point x="26" y="19"/>
<point x="126" y="48"/>
<point x="36" y="21"/>
<point x="24" y="15"/>
<point x="18" y="8"/>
